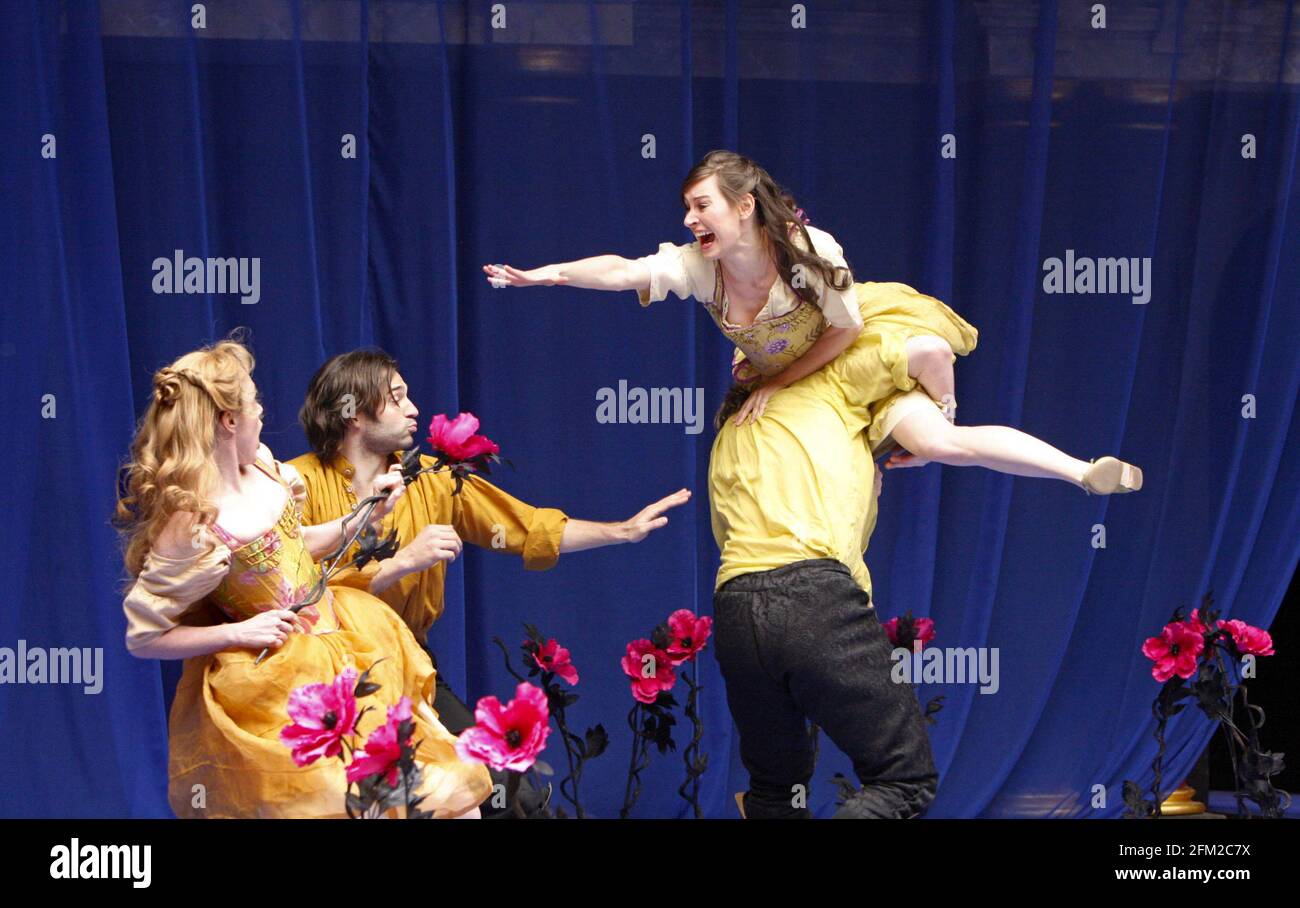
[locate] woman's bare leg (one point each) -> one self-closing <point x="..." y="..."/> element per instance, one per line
<point x="931" y="437"/>
<point x="929" y="361"/>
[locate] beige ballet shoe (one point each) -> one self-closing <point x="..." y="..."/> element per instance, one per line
<point x="740" y="804"/>
<point x="1110" y="476"/>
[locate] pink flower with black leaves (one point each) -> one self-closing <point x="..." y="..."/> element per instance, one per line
<point x="650" y="668"/>
<point x="689" y="634"/>
<point x="507" y="737"/>
<point x="551" y="657"/>
<point x="383" y="748"/>
<point x="1249" y="639"/>
<point x="1175" y="651"/>
<point x="322" y="714"/>
<point x="456" y="438"/>
<point x="901" y="632"/>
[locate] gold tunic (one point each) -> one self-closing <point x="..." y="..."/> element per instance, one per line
<point x="481" y="514"/>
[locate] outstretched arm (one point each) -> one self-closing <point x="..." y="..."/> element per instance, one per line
<point x="600" y="272"/>
<point x="587" y="534"/>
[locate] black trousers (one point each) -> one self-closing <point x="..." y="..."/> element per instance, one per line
<point x="456" y="716"/>
<point x="800" y="643"/>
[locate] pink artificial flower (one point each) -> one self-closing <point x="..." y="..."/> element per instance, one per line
<point x="456" y="438"/>
<point x="1195" y="623"/>
<point x="383" y="747"/>
<point x="1249" y="639"/>
<point x="1174" y="651"/>
<point x="689" y="635"/>
<point x="646" y="690"/>
<point x="322" y="714"/>
<point x="551" y="657"/>
<point x="510" y="736"/>
<point x="922" y="630"/>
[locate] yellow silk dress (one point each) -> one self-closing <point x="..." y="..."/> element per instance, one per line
<point x="226" y="758"/>
<point x="871" y="372"/>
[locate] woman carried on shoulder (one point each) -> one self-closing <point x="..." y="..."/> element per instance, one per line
<point x="782" y="292"/>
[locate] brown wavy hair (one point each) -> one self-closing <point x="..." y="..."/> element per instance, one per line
<point x="732" y="401"/>
<point x="776" y="211"/>
<point x="365" y="375"/>
<point x="171" y="467"/>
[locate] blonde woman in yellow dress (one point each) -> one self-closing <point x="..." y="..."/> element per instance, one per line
<point x="782" y="292"/>
<point x="218" y="557"/>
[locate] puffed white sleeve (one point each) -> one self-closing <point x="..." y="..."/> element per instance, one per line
<point x="681" y="270"/>
<point x="167" y="588"/>
<point x="839" y="307"/>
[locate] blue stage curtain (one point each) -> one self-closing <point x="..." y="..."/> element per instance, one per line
<point x="566" y="133"/>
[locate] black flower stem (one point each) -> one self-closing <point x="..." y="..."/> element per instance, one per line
<point x="1230" y="733"/>
<point x="506" y="654"/>
<point x="631" y="794"/>
<point x="692" y="780"/>
<point x="512" y="794"/>
<point x="406" y="791"/>
<point x="1159" y="711"/>
<point x="574" y="773"/>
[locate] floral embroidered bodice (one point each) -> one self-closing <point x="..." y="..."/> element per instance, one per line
<point x="273" y="571"/>
<point x="770" y="344"/>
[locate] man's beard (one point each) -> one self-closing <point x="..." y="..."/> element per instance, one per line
<point x="386" y="444"/>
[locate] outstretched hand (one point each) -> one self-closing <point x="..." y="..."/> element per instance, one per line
<point x="651" y="517"/>
<point x="508" y="276"/>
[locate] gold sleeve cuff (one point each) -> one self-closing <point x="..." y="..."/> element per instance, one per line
<point x="542" y="547"/>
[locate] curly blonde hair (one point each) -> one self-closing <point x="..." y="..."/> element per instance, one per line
<point x="171" y="467"/>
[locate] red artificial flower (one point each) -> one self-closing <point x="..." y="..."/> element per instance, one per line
<point x="689" y="635"/>
<point x="456" y="439"/>
<point x="922" y="630"/>
<point x="1174" y="651"/>
<point x="646" y="690"/>
<point x="1249" y="639"/>
<point x="551" y="657"/>
<point x="510" y="736"/>
<point x="1195" y="623"/>
<point x="383" y="747"/>
<point x="322" y="714"/>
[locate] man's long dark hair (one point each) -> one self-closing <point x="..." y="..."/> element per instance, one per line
<point x="362" y="378"/>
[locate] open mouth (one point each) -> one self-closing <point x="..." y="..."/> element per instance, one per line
<point x="706" y="240"/>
